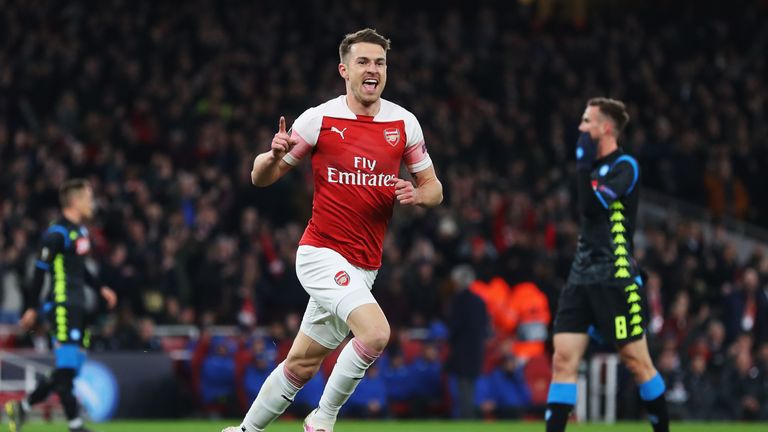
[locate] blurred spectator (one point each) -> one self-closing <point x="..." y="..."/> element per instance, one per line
<point x="217" y="375"/>
<point x="148" y="341"/>
<point x="533" y="317"/>
<point x="746" y="307"/>
<point x="727" y="195"/>
<point x="701" y="391"/>
<point x="427" y="386"/>
<point x="670" y="368"/>
<point x="468" y="330"/>
<point x="676" y="324"/>
<point x="398" y="377"/>
<point x="259" y="362"/>
<point x="503" y="393"/>
<point x="370" y="398"/>
<point x="717" y="348"/>
<point x="741" y="390"/>
<point x="762" y="361"/>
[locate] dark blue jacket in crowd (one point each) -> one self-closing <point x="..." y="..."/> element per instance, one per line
<point x="467" y="331"/>
<point x="372" y="388"/>
<point x="217" y="377"/>
<point x="506" y="390"/>
<point x="425" y="379"/>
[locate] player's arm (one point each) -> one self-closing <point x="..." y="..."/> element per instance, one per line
<point x="619" y="181"/>
<point x="428" y="191"/>
<point x="269" y="166"/>
<point x="106" y="292"/>
<point x="586" y="152"/>
<point x="53" y="243"/>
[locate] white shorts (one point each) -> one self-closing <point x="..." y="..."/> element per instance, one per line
<point x="335" y="289"/>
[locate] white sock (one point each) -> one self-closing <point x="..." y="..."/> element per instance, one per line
<point x="25" y="405"/>
<point x="75" y="423"/>
<point x="353" y="361"/>
<point x="275" y="396"/>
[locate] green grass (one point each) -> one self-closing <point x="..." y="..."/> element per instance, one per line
<point x="393" y="426"/>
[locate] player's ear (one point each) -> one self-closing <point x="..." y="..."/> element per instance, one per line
<point x="343" y="71"/>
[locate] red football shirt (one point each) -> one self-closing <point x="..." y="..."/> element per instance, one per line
<point x="355" y="163"/>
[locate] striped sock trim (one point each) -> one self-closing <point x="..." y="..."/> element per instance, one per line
<point x="367" y="354"/>
<point x="294" y="379"/>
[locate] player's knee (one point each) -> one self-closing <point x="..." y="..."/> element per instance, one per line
<point x="564" y="364"/>
<point x="634" y="366"/>
<point x="301" y="369"/>
<point x="638" y="365"/>
<point x="300" y="374"/>
<point x="377" y="338"/>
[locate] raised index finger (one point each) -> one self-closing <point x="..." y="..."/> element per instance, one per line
<point x="281" y="128"/>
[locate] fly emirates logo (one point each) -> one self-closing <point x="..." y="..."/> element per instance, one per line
<point x="362" y="176"/>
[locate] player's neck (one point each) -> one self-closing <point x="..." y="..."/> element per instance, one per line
<point x="606" y="146"/>
<point x="72" y="215"/>
<point x="363" y="110"/>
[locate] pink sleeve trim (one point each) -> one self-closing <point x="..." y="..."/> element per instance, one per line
<point x="301" y="149"/>
<point x="415" y="153"/>
<point x="416" y="157"/>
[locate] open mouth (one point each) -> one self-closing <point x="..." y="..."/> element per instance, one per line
<point x="370" y="84"/>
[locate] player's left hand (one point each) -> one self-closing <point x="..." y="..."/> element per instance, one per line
<point x="28" y="319"/>
<point x="406" y="193"/>
<point x="109" y="296"/>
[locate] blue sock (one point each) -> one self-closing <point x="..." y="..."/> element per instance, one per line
<point x="652" y="394"/>
<point x="560" y="401"/>
<point x="564" y="393"/>
<point x="652" y="388"/>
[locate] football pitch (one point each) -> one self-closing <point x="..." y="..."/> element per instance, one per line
<point x="396" y="426"/>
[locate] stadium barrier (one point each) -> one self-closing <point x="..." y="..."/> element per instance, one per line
<point x="597" y="388"/>
<point x="110" y="385"/>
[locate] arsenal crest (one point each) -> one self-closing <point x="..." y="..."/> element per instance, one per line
<point x="342" y="278"/>
<point x="392" y="135"/>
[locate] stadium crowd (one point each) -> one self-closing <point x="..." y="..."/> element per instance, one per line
<point x="163" y="107"/>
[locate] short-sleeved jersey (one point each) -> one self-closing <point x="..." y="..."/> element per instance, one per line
<point x="63" y="253"/>
<point x="608" y="195"/>
<point x="355" y="165"/>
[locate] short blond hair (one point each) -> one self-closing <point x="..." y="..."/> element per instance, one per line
<point x="70" y="188"/>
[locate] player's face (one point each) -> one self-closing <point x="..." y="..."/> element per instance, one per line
<point x="594" y="123"/>
<point x="83" y="202"/>
<point x="365" y="72"/>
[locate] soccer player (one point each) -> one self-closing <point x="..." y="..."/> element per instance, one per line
<point x="64" y="249"/>
<point x="357" y="142"/>
<point x="604" y="287"/>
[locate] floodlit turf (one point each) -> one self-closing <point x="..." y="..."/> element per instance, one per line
<point x="394" y="426"/>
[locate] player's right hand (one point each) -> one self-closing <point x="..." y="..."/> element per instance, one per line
<point x="28" y="319"/>
<point x="282" y="143"/>
<point x="109" y="296"/>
